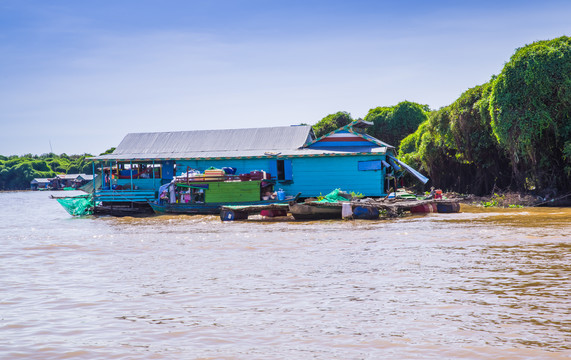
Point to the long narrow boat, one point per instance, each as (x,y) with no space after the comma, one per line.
(208,197)
(316,211)
(212,208)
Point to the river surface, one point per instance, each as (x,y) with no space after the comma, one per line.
(480,284)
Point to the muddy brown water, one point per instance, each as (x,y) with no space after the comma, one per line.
(480,284)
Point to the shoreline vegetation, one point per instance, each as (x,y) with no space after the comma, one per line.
(506,142)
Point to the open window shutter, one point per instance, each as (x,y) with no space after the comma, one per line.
(274,168)
(168,169)
(288,170)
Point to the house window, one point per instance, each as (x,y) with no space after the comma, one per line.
(370,165)
(281,170)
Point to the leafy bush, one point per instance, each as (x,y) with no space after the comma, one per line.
(530,107)
(332,122)
(392,124)
(513,132)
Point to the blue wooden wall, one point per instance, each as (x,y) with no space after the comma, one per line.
(312,176)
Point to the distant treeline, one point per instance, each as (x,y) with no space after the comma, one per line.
(16,172)
(511,133)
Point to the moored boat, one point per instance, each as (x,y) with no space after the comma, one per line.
(315,211)
(208,197)
(207,208)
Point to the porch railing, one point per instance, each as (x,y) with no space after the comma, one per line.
(124,195)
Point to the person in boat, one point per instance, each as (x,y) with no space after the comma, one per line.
(267,191)
(432,193)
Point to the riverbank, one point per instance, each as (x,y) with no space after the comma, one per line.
(510,199)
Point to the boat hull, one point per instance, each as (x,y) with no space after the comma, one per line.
(315,212)
(206,208)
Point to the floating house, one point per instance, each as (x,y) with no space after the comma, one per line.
(69,181)
(290,156)
(61,181)
(40,184)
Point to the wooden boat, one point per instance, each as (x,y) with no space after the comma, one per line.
(316,211)
(207,198)
(208,208)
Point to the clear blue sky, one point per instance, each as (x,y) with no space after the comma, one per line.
(82,74)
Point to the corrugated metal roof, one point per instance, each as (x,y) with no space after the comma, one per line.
(40,180)
(173,143)
(243,154)
(234,143)
(69,176)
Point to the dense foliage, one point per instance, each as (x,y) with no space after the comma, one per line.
(456,147)
(530,105)
(511,133)
(392,124)
(332,122)
(16,172)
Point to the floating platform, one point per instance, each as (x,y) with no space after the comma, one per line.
(363,209)
(241,212)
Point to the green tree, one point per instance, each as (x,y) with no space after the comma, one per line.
(332,122)
(16,172)
(108,151)
(530,106)
(392,124)
(456,147)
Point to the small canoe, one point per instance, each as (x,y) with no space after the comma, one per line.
(315,211)
(212,208)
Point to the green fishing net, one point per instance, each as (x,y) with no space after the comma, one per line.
(335,196)
(77,206)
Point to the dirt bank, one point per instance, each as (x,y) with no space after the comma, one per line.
(507,199)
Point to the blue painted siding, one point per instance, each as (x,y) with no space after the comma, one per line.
(141,184)
(315,176)
(312,176)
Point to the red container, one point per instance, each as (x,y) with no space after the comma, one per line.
(244,177)
(256,175)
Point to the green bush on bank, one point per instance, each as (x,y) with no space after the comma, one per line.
(510,133)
